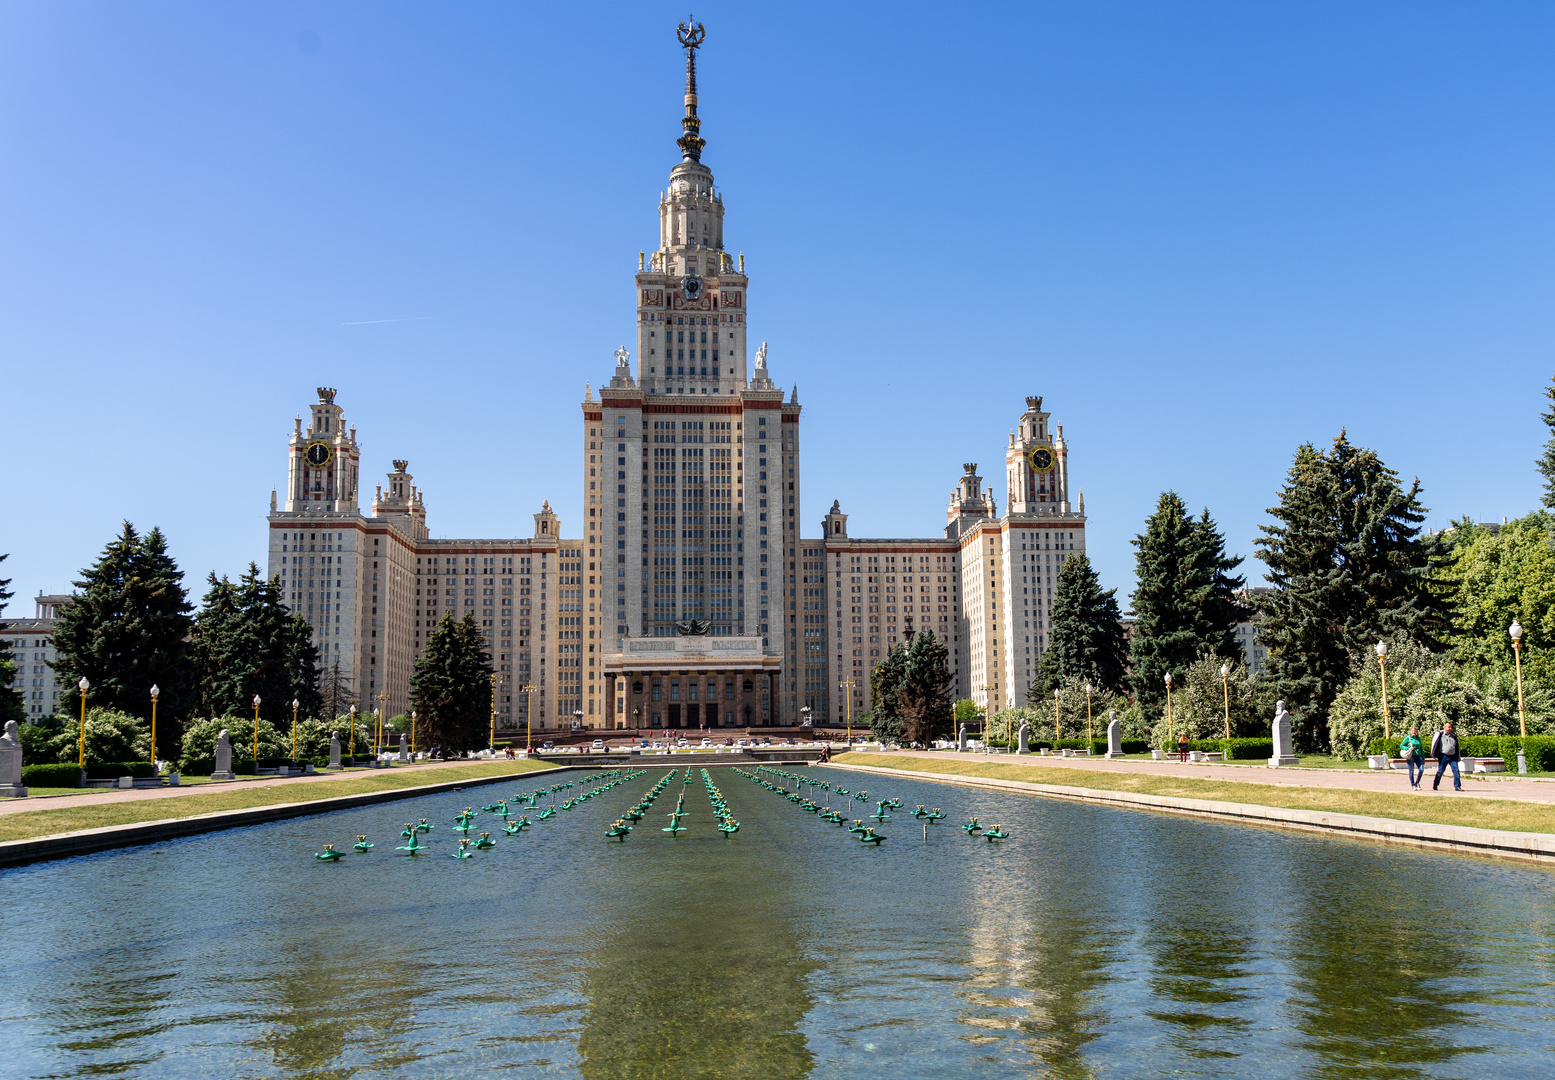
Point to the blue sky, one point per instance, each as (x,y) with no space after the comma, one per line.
(1204,232)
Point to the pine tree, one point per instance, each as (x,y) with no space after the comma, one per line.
(248,642)
(885,684)
(451,689)
(1086,641)
(11,707)
(1185,601)
(1349,566)
(126,630)
(1546,462)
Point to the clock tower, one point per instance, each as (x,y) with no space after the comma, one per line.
(323,461)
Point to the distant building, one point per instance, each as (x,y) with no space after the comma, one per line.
(1253,653)
(32,645)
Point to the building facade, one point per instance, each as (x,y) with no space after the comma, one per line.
(32,646)
(689,599)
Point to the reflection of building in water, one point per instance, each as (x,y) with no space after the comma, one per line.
(691,520)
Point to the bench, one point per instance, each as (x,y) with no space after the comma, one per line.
(1487,764)
(1214,755)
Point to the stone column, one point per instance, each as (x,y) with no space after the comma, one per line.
(223,758)
(610,702)
(11,763)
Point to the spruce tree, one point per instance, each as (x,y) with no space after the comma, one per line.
(1546,462)
(249,642)
(1086,641)
(885,686)
(924,695)
(1185,601)
(451,689)
(11,707)
(126,630)
(1349,565)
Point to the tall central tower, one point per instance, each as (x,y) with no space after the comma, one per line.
(691,486)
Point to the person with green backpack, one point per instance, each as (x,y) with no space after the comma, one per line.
(1413,752)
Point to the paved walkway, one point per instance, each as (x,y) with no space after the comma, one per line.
(1489,786)
(115,795)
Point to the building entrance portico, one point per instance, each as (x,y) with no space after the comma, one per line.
(691,683)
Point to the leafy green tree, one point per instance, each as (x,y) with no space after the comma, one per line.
(968,713)
(1185,601)
(1087,640)
(1497,576)
(924,694)
(11,707)
(451,688)
(127,630)
(1349,565)
(111,735)
(248,642)
(199,739)
(1041,713)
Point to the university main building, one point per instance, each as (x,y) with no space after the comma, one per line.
(691,597)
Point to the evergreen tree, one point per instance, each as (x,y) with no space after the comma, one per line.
(451,689)
(1349,566)
(885,684)
(127,629)
(1185,601)
(248,642)
(1086,641)
(924,695)
(11,707)
(334,692)
(1546,462)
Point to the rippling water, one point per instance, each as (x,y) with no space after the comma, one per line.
(1095,942)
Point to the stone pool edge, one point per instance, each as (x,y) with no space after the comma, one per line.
(91,841)
(1529,847)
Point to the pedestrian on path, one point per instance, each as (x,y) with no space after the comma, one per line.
(1445,749)
(1182,749)
(1413,753)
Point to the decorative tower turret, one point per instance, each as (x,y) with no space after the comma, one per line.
(323,461)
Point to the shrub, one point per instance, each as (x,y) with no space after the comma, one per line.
(51,775)
(1248,749)
(1538,749)
(200,741)
(110,736)
(199,766)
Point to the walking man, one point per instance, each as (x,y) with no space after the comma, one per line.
(1445,749)
(1413,753)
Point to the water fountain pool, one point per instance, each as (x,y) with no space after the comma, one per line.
(1094,942)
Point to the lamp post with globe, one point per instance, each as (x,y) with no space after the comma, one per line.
(1515,631)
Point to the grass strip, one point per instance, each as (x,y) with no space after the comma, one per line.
(1478,813)
(66,819)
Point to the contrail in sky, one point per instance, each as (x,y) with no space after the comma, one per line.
(370,322)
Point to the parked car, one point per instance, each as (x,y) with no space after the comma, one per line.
(706,743)
(548,745)
(597,746)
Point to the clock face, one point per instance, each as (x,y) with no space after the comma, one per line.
(1041,459)
(318,454)
(691,286)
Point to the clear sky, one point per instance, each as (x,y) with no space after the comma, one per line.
(1204,232)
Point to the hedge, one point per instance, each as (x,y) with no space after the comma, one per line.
(1539,749)
(51,775)
(112,770)
(1233,749)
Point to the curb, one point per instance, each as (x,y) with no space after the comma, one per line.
(89,841)
(1526,846)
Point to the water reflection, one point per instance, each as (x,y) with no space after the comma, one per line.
(1095,943)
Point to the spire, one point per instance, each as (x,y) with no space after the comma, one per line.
(691,35)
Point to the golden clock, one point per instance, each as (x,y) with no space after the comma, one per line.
(1041,459)
(318,454)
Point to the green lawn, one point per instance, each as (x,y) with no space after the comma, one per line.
(63,818)
(1440,809)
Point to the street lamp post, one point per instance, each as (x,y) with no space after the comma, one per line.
(377,732)
(1058,720)
(1516,633)
(382,712)
(1171,733)
(847,707)
(987,714)
(1382,662)
(495,679)
(294,729)
(83,686)
(256,734)
(1225,692)
(155,693)
(352,734)
(413,735)
(1090,728)
(528,690)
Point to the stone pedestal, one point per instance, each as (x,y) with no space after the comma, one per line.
(1114,736)
(223,770)
(11,763)
(1284,752)
(961,740)
(1022,747)
(334,752)
(404,749)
